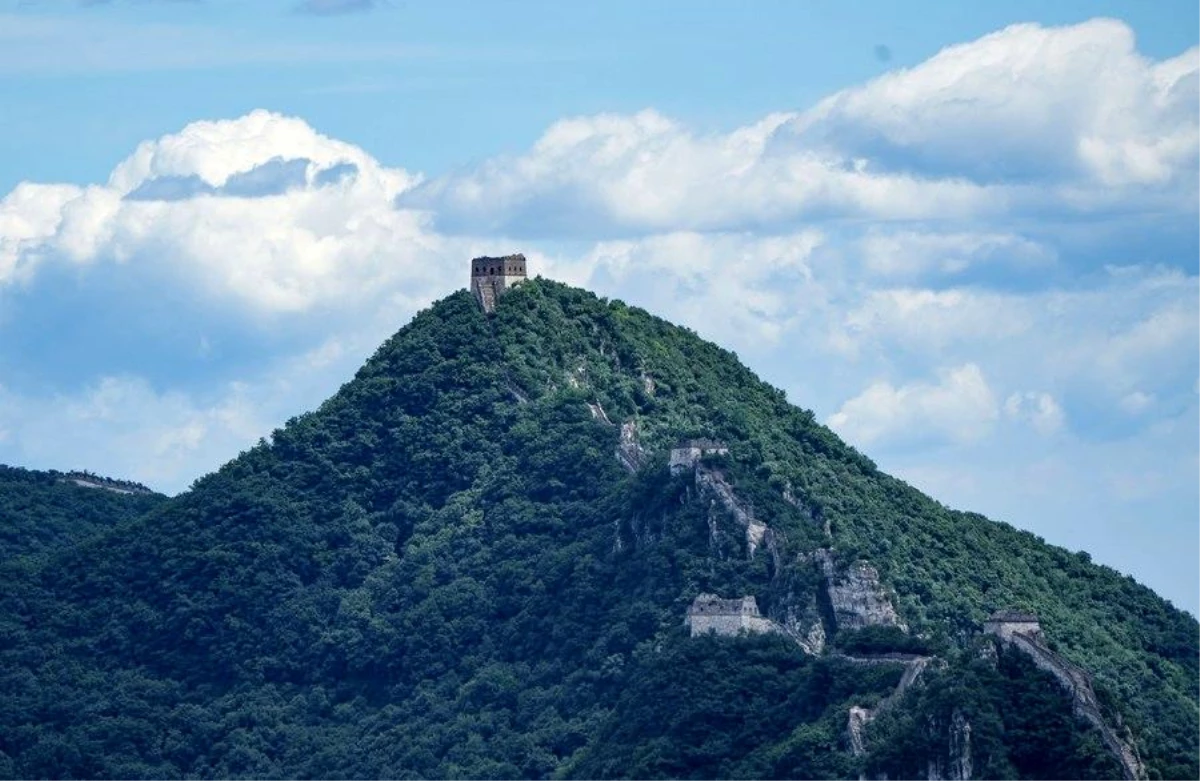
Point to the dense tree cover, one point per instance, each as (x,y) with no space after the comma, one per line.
(1019,727)
(445,571)
(42,510)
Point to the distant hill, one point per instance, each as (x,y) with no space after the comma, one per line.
(473,561)
(43,510)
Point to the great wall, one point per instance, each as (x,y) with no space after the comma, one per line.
(853,591)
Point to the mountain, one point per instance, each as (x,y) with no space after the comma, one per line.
(40,511)
(482,556)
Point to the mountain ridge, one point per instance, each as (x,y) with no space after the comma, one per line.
(455,525)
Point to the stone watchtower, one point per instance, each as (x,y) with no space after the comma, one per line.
(1008,622)
(491,277)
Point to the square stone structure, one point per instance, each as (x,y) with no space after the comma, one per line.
(710,613)
(688,452)
(492,277)
(1005,623)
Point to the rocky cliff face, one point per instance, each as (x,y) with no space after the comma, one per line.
(712,483)
(856,596)
(955,764)
(629,448)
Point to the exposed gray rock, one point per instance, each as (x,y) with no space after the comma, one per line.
(859,718)
(800,620)
(856,722)
(813,513)
(856,595)
(712,483)
(629,449)
(956,764)
(648,384)
(598,413)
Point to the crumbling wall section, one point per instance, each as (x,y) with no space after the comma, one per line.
(1079,684)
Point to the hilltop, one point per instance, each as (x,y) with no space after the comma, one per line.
(44,510)
(475,560)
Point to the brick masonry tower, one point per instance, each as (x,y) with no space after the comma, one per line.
(491,277)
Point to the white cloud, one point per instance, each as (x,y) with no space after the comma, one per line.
(1039,409)
(959,407)
(909,253)
(121,426)
(125,426)
(645,173)
(740,289)
(928,321)
(1028,120)
(1137,402)
(216,150)
(29,216)
(314,223)
(1135,326)
(1027,103)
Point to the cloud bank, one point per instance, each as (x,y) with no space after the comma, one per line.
(1027,120)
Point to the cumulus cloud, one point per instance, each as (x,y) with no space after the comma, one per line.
(740,289)
(1025,103)
(959,407)
(1029,119)
(125,427)
(644,173)
(168,434)
(909,253)
(1039,409)
(261,209)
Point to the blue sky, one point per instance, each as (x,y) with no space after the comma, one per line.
(965,235)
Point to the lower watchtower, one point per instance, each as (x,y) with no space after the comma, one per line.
(491,277)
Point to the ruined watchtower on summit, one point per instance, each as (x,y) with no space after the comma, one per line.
(491,277)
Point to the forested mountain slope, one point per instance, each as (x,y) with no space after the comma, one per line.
(472,561)
(42,510)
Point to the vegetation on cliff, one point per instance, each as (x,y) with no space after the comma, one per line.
(445,571)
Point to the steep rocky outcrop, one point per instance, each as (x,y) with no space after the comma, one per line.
(629,450)
(856,596)
(799,617)
(598,413)
(956,764)
(712,483)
